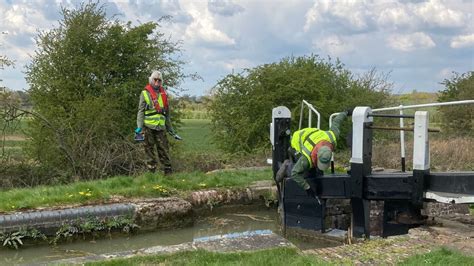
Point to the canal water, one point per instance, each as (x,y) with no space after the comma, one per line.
(248,222)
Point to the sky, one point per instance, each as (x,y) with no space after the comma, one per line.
(418,43)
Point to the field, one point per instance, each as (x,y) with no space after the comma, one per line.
(12,139)
(416,98)
(196,134)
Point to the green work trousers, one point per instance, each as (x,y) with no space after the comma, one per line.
(157,139)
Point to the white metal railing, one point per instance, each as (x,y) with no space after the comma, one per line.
(401,108)
(310,108)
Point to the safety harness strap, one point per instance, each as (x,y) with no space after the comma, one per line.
(155,101)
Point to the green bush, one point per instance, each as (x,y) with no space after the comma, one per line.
(458,119)
(85,80)
(242,103)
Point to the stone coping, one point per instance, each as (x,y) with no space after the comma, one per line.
(247,241)
(150,213)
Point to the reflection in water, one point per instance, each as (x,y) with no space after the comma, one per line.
(214,227)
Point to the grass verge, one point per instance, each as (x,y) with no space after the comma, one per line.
(441,256)
(278,256)
(147,185)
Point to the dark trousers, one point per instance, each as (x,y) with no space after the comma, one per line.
(157,138)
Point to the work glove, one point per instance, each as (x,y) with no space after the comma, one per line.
(349,111)
(138,130)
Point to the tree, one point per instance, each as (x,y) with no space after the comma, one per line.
(85,79)
(5,62)
(242,103)
(458,119)
(8,103)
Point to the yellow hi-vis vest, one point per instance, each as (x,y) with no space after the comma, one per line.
(152,117)
(304,140)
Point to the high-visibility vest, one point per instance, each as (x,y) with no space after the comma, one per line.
(156,106)
(306,139)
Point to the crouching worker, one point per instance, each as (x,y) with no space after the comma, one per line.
(315,147)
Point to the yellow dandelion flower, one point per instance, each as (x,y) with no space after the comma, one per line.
(82,192)
(202,184)
(157,187)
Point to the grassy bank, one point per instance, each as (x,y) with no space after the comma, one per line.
(440,257)
(278,256)
(147,185)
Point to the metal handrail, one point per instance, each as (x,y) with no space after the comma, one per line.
(402,107)
(310,108)
(402,132)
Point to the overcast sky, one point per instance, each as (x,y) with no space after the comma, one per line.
(419,42)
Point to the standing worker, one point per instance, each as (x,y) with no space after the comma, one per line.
(153,113)
(316,147)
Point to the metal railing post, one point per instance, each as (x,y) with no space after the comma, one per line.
(402,139)
(311,108)
(301,116)
(309,119)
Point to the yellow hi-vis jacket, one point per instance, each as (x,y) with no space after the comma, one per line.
(304,140)
(152,117)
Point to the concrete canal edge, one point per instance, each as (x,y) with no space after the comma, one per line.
(149,214)
(251,241)
(173,212)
